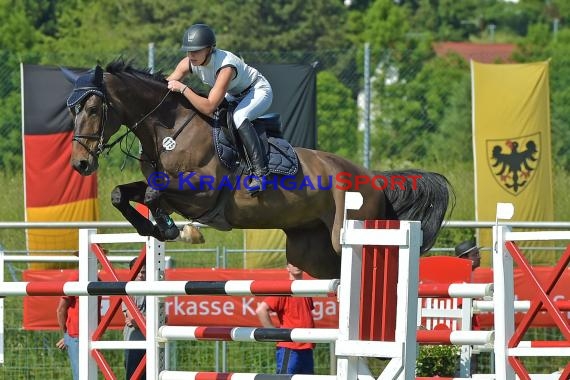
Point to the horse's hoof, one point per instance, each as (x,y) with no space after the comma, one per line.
(192,234)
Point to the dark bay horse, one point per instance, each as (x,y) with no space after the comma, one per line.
(311,215)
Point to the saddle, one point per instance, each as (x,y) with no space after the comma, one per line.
(280,155)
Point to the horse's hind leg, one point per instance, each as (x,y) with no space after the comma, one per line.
(165,228)
(120,198)
(309,248)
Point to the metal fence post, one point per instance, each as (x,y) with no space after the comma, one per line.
(151,56)
(366,148)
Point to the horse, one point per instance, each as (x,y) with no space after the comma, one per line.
(178,143)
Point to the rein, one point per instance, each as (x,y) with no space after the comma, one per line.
(134,128)
(136,125)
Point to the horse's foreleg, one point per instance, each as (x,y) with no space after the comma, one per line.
(120,198)
(165,228)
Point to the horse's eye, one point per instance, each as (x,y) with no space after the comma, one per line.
(92,111)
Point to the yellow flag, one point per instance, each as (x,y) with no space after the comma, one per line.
(512,143)
(264,249)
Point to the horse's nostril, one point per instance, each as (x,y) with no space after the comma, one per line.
(81,166)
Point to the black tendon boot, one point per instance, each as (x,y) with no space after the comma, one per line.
(255,155)
(167,227)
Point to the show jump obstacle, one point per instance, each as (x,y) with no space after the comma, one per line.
(509,347)
(379,270)
(349,346)
(383,267)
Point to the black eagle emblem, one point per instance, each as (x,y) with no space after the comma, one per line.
(514,168)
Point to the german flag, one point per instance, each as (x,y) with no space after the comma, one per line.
(54,192)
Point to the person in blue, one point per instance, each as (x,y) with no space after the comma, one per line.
(229,77)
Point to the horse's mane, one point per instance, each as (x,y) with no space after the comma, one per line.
(120,66)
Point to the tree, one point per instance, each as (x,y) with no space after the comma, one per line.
(337,125)
(411,106)
(17,38)
(385,25)
(295,25)
(84,38)
(454,139)
(539,46)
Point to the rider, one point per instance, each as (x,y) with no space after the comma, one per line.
(230,77)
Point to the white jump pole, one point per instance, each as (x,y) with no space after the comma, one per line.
(504,317)
(155,312)
(1,308)
(88,306)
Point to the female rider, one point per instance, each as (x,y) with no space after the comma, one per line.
(229,77)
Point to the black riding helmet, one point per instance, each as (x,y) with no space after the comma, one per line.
(197,37)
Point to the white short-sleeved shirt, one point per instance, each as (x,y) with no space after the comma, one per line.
(246,75)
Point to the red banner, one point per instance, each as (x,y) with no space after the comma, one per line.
(40,312)
(524,291)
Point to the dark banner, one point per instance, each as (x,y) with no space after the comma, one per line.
(44,92)
(295,98)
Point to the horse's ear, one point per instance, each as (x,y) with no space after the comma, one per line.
(98,76)
(69,75)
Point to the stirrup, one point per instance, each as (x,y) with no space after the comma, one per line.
(255,186)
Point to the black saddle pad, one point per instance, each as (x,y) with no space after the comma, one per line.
(283,159)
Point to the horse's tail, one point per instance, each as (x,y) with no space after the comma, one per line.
(426,197)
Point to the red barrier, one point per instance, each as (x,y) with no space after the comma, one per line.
(378,288)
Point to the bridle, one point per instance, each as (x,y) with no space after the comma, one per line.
(99,135)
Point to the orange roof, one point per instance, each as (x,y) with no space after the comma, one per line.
(484,53)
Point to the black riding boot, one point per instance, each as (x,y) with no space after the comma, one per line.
(255,155)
